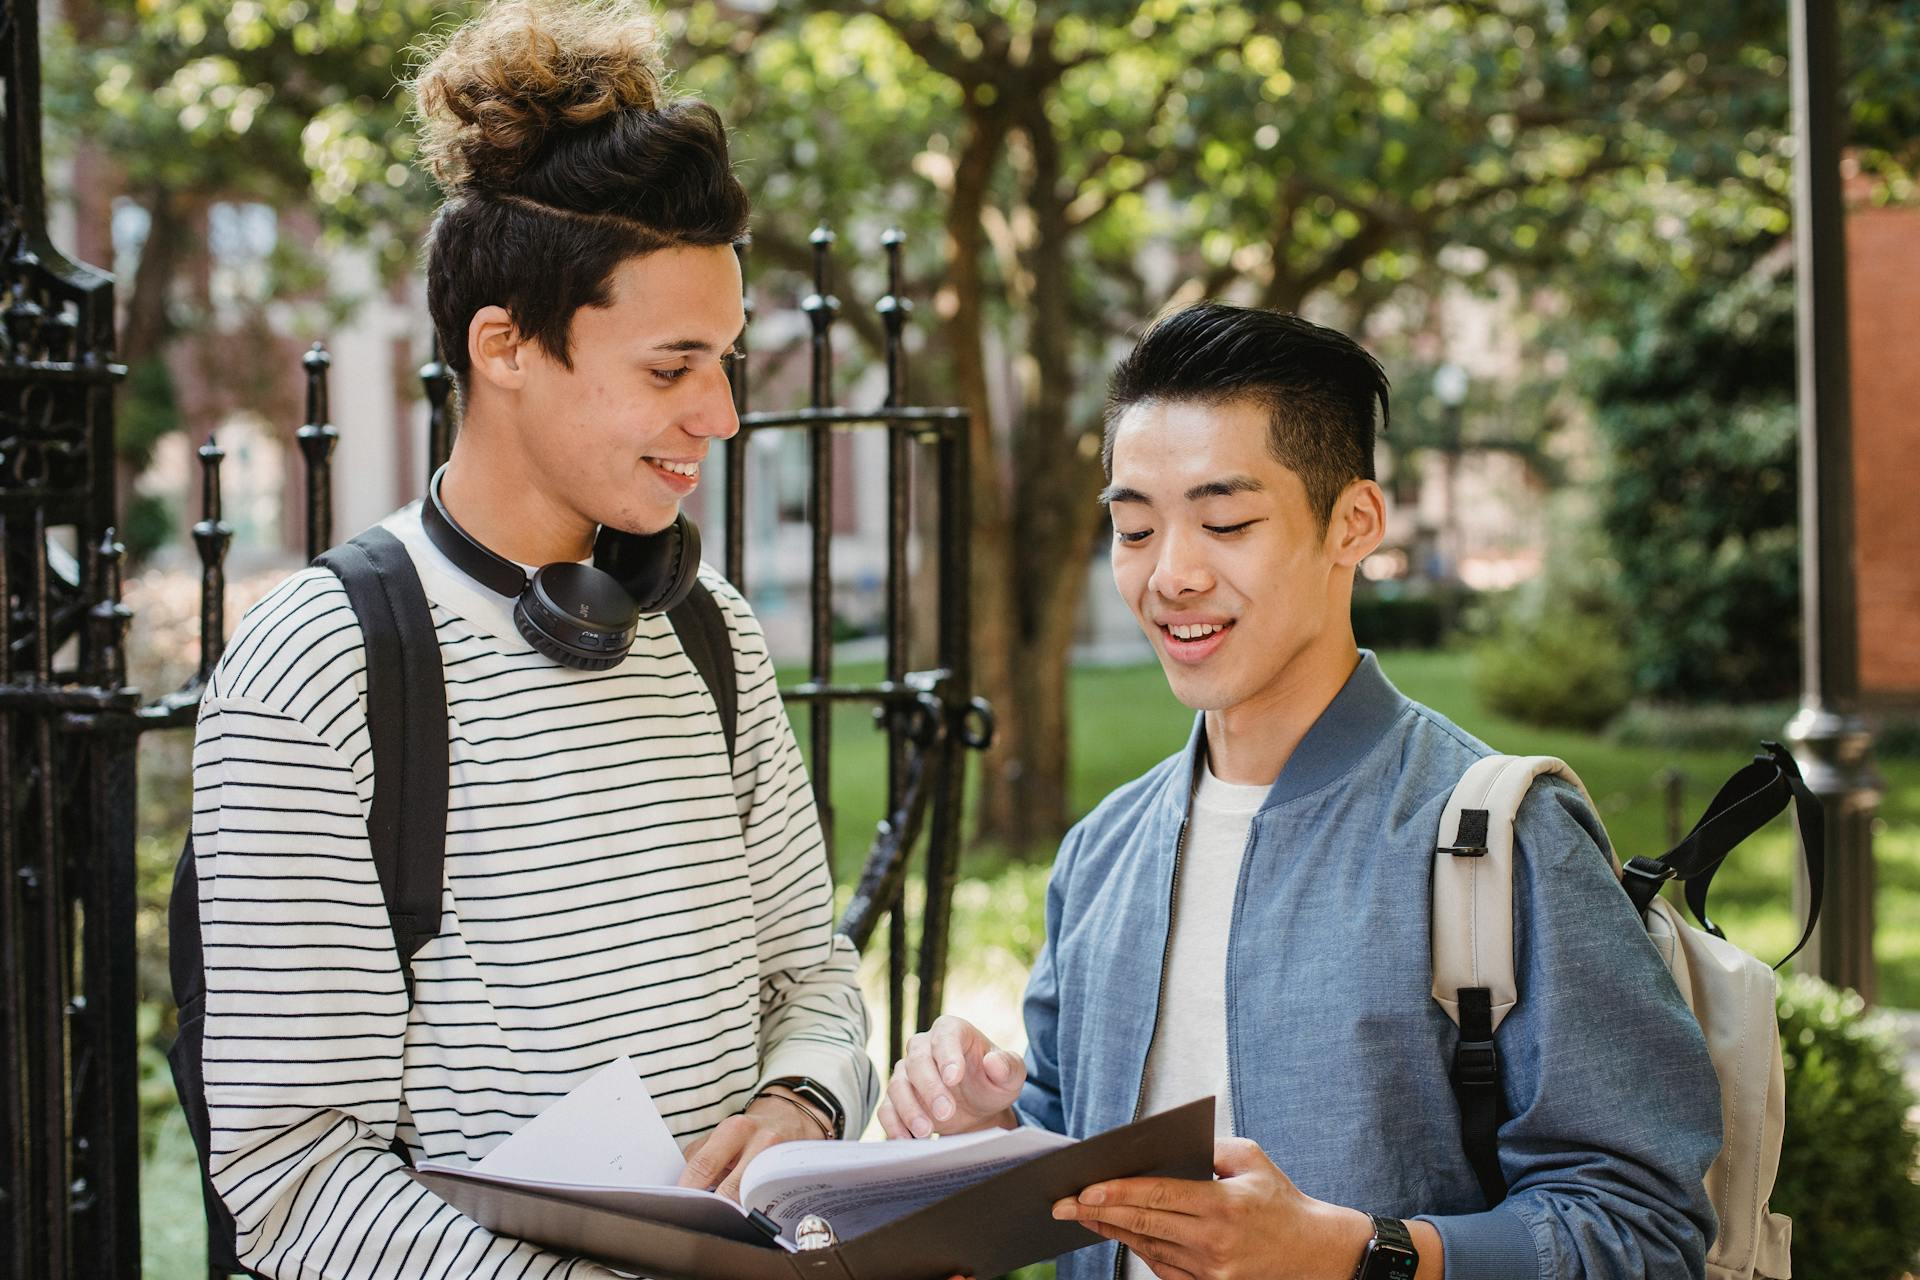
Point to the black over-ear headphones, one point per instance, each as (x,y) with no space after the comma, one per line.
(581,616)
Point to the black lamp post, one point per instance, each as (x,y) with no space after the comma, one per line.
(1834,745)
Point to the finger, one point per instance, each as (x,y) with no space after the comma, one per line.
(956,1045)
(1004,1069)
(1174,1195)
(716,1154)
(924,1077)
(730,1188)
(1154,1224)
(906,1103)
(1163,1259)
(890,1121)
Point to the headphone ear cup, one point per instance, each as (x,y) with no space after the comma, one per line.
(547,647)
(657,569)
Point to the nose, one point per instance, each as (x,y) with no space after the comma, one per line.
(712,415)
(1181,568)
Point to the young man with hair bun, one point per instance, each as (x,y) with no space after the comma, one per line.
(615,883)
(1249,919)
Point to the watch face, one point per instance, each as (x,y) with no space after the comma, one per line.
(1388,1262)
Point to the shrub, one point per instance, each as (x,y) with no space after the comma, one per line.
(1847,1170)
(1560,668)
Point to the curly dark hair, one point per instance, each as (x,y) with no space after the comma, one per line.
(549,129)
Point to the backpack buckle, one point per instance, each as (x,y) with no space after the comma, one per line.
(1642,878)
(1476,1063)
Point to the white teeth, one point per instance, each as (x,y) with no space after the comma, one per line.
(1198,631)
(678,468)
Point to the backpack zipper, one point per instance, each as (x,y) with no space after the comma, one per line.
(1166,955)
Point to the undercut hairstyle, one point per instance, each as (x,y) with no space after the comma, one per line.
(1317,386)
(561,155)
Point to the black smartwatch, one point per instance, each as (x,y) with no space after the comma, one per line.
(1390,1254)
(814,1092)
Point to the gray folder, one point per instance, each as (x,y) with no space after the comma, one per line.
(984,1230)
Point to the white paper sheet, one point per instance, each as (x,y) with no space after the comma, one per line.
(606,1132)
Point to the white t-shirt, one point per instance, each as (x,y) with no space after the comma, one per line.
(1188,1057)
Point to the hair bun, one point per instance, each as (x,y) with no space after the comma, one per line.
(490,97)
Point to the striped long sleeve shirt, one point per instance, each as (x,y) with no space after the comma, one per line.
(612,888)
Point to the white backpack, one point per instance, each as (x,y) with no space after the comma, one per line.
(1729,991)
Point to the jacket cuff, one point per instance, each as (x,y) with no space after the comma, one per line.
(1494,1245)
(831,1068)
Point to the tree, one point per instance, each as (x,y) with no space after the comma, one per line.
(1085,164)
(1071,167)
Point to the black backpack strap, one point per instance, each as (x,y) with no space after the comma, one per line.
(703,633)
(1748,801)
(1476,1087)
(407,720)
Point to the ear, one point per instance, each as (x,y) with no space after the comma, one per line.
(1358,523)
(494,349)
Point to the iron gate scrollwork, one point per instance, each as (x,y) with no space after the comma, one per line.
(69,1122)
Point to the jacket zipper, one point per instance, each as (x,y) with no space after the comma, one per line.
(1166,955)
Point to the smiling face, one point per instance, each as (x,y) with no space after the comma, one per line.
(1216,551)
(622,436)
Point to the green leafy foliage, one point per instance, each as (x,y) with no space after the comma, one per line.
(1847,1173)
(1699,503)
(1558,669)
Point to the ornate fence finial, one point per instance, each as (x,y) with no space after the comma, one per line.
(437,378)
(317,439)
(894,309)
(108,617)
(211,535)
(735,449)
(23,316)
(821,308)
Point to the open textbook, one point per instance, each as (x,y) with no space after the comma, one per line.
(594,1175)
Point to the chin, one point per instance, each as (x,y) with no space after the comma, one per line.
(1192,690)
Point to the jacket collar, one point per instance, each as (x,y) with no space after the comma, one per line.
(1351,726)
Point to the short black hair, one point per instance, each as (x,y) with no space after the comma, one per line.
(1317,385)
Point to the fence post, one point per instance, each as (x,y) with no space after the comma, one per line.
(317,439)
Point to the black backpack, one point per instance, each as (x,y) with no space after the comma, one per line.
(408,826)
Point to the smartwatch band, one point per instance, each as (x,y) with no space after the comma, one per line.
(816,1093)
(1390,1254)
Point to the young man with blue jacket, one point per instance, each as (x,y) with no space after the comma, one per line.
(1250,919)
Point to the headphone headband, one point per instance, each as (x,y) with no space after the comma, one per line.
(495,572)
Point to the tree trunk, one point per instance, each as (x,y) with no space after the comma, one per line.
(1053,514)
(989,567)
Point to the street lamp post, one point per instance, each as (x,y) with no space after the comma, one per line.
(1834,745)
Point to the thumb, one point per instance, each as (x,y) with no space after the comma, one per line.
(1003,1069)
(1235,1156)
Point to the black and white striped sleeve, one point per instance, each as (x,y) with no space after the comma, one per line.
(306,1020)
(813,1020)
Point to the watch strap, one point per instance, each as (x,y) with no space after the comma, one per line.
(817,1095)
(1390,1255)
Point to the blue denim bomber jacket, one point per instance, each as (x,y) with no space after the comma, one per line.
(1338,1055)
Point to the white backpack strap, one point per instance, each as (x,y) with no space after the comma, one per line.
(1473,880)
(1473,941)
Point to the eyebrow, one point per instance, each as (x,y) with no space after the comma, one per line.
(1222,488)
(696,344)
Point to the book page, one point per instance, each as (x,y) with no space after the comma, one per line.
(859,1186)
(607,1132)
